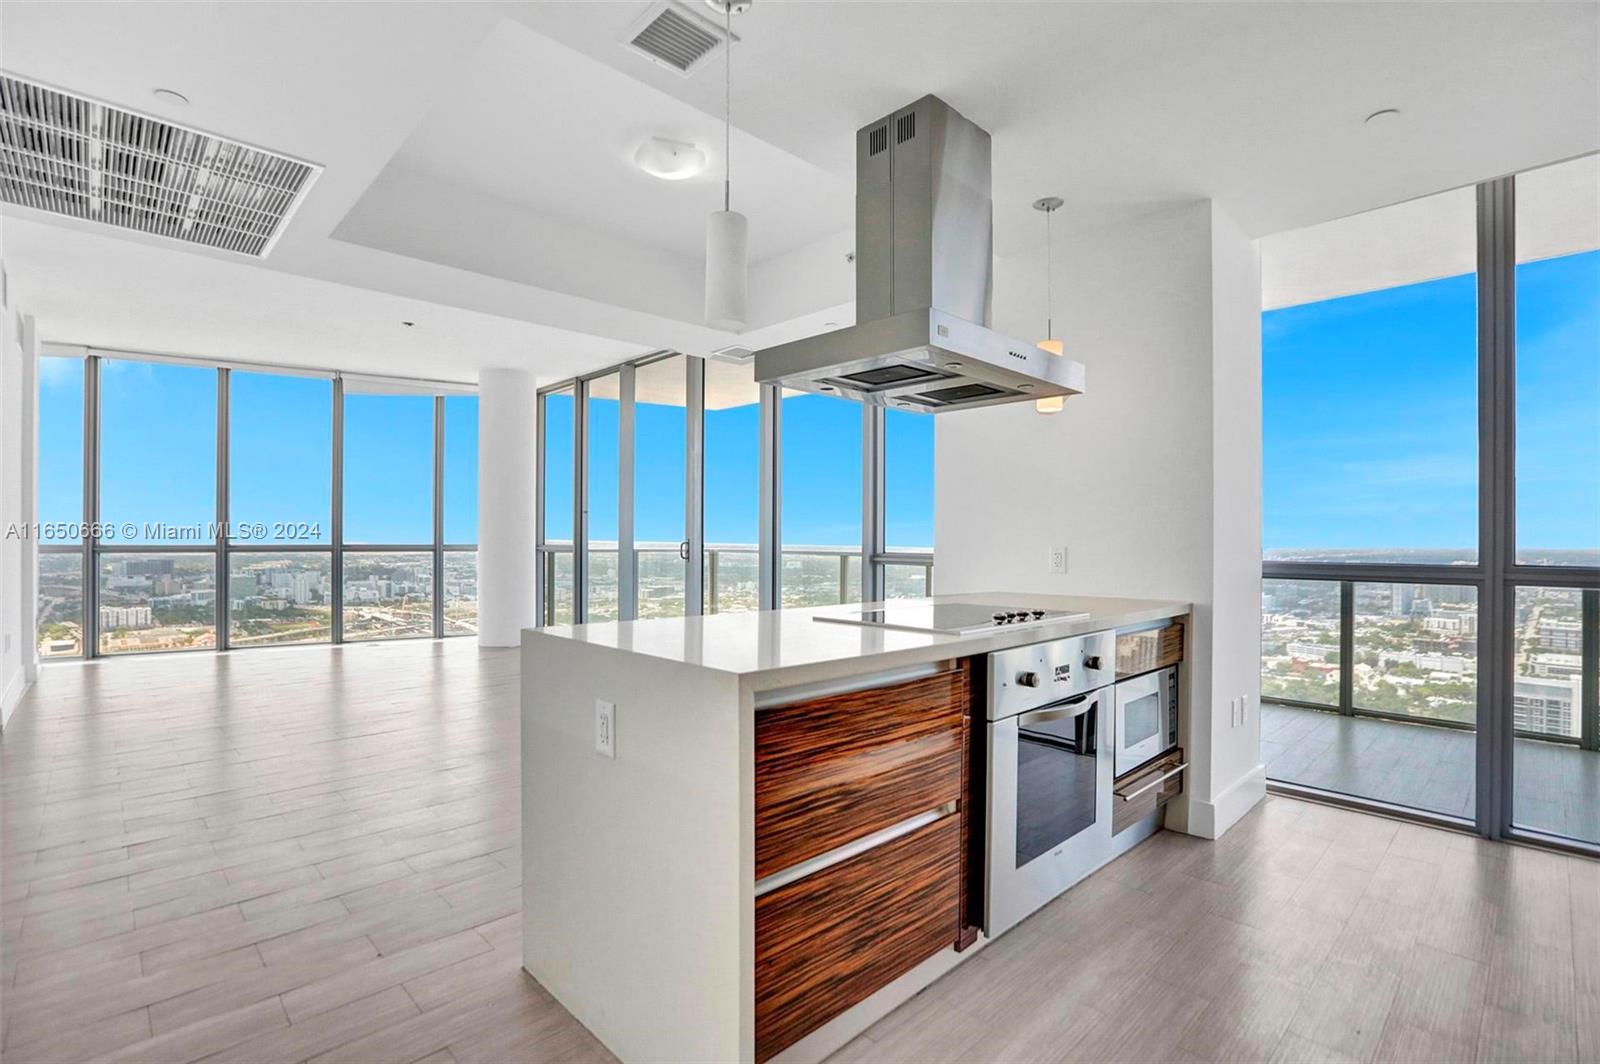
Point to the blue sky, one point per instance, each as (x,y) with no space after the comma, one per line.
(1370,432)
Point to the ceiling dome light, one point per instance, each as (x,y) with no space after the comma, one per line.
(670,160)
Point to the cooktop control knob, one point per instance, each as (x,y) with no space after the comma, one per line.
(1092,661)
(1028,679)
(998,618)
(1038,615)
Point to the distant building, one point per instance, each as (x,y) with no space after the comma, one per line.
(1555,666)
(1310,651)
(1562,636)
(112,617)
(1546,705)
(1452,623)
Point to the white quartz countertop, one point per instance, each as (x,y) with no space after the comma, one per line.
(776,647)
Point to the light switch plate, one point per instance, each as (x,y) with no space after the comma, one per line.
(605,728)
(1058,559)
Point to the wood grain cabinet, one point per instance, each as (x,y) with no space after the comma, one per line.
(1148,649)
(825,942)
(861,840)
(837,768)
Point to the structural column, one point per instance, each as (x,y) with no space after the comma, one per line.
(507,452)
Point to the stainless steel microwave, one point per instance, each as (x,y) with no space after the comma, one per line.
(1146,719)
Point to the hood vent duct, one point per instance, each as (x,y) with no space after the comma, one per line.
(70,155)
(924,278)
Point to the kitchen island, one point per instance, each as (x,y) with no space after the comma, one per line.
(752,834)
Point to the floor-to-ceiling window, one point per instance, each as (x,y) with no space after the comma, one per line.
(782,500)
(459,515)
(215,506)
(63,535)
(732,492)
(601,497)
(660,486)
(557,505)
(1431,505)
(280,498)
(821,508)
(388,509)
(156,573)
(1555,648)
(907,561)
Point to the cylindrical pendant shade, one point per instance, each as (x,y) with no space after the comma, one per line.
(727,235)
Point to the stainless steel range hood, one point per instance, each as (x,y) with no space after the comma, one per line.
(924,279)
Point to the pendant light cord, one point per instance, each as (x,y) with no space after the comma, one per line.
(1049,318)
(727,103)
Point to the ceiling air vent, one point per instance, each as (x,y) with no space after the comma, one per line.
(72,155)
(733,353)
(674,37)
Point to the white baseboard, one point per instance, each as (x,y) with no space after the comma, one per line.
(1209,820)
(16,686)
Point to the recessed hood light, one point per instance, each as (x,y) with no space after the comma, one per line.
(171,96)
(1383,117)
(670,160)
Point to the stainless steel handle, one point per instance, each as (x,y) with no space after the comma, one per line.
(854,848)
(1153,784)
(1071,709)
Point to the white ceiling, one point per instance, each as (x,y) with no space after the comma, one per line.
(1558,213)
(116,294)
(533,123)
(477,154)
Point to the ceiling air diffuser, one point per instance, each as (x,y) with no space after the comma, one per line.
(72,155)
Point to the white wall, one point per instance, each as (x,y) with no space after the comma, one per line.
(18,557)
(1151,479)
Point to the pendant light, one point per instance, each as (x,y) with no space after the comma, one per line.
(1051,404)
(727,231)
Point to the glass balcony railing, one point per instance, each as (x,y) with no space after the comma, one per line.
(811,576)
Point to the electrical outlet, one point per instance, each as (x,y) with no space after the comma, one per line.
(1058,559)
(605,728)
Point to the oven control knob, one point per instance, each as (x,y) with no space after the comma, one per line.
(1092,661)
(1028,679)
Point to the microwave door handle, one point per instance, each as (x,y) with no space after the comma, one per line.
(1073,707)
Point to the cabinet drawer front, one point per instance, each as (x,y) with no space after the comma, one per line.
(1147,794)
(1149,649)
(835,769)
(828,941)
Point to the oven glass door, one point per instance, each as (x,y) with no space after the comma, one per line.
(1056,766)
(1141,720)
